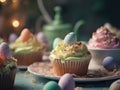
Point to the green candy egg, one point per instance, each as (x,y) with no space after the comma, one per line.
(70,38)
(51,85)
(55,42)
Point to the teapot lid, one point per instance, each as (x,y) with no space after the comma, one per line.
(57,23)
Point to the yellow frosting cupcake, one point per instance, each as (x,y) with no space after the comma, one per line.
(71,57)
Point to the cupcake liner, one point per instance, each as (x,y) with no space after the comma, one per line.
(25,59)
(72,67)
(7,80)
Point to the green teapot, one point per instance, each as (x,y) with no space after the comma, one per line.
(56,27)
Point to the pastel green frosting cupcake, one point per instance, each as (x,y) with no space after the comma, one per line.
(74,52)
(25,47)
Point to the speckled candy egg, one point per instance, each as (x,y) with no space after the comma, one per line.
(70,38)
(51,85)
(115,85)
(4,51)
(67,82)
(12,37)
(109,63)
(55,42)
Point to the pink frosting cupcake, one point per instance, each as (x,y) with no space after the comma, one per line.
(102,44)
(104,39)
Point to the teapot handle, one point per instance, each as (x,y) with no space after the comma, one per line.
(78,25)
(44,11)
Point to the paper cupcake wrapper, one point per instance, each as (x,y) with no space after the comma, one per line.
(72,67)
(25,59)
(7,80)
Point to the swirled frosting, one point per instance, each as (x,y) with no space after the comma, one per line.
(76,51)
(26,43)
(103,39)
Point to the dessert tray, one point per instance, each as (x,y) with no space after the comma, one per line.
(44,70)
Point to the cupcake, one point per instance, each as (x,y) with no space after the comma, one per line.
(102,44)
(7,68)
(27,49)
(113,29)
(70,56)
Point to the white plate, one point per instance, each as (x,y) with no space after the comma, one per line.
(22,67)
(42,70)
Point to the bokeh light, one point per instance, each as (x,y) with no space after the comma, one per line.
(2,1)
(14,1)
(15,23)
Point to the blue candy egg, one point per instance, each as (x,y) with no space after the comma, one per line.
(12,37)
(55,42)
(109,63)
(115,85)
(51,85)
(67,82)
(70,38)
(4,51)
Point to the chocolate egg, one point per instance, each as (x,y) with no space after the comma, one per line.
(51,85)
(55,42)
(109,63)
(12,37)
(115,85)
(4,51)
(67,82)
(70,38)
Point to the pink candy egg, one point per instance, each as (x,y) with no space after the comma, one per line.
(115,85)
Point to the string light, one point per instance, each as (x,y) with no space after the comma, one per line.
(15,23)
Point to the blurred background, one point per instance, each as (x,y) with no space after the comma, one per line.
(15,15)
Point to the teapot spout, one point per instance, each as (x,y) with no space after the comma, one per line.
(79,24)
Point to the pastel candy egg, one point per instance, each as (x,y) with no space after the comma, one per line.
(67,82)
(55,42)
(115,85)
(70,38)
(109,63)
(51,85)
(4,51)
(12,37)
(41,37)
(25,35)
